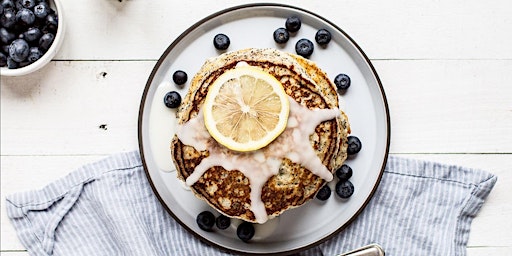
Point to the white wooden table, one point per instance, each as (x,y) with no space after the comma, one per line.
(446,67)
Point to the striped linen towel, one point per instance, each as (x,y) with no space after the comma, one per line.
(108,208)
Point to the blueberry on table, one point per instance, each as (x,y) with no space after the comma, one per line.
(222,222)
(354,145)
(323,36)
(245,231)
(342,81)
(304,47)
(19,50)
(172,99)
(324,193)
(221,42)
(281,35)
(293,24)
(344,172)
(179,77)
(344,189)
(46,41)
(205,220)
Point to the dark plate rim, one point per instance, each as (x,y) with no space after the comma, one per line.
(171,47)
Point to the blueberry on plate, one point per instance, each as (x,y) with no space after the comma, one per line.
(342,81)
(323,37)
(221,42)
(179,77)
(304,47)
(354,145)
(324,193)
(222,222)
(205,220)
(172,99)
(281,35)
(293,23)
(19,50)
(344,172)
(245,231)
(344,189)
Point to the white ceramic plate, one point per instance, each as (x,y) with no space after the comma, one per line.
(364,102)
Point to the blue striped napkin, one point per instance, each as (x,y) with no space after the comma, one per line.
(108,208)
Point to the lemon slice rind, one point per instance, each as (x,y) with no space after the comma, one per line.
(214,97)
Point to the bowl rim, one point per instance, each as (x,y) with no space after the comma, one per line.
(48,55)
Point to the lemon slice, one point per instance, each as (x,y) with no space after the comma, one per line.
(246,109)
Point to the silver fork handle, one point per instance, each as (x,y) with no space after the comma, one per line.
(368,250)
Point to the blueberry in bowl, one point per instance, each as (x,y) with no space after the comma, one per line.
(31,33)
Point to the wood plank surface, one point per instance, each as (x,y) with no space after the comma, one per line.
(445,66)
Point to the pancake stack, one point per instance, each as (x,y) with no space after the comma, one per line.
(228,191)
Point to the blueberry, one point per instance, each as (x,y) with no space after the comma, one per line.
(52,19)
(304,48)
(245,231)
(34,54)
(11,64)
(281,35)
(32,34)
(8,18)
(6,37)
(8,4)
(344,172)
(221,42)
(46,41)
(222,222)
(28,3)
(344,189)
(342,81)
(172,99)
(293,24)
(323,36)
(26,17)
(3,59)
(354,145)
(41,10)
(324,193)
(179,77)
(205,220)
(19,50)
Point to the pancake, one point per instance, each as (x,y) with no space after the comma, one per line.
(230,191)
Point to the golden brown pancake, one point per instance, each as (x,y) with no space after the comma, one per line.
(228,190)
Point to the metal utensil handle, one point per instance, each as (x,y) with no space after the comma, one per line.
(368,250)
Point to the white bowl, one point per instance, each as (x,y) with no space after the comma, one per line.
(48,55)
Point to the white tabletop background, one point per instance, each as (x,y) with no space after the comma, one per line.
(446,67)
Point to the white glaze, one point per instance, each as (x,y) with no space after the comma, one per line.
(259,165)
